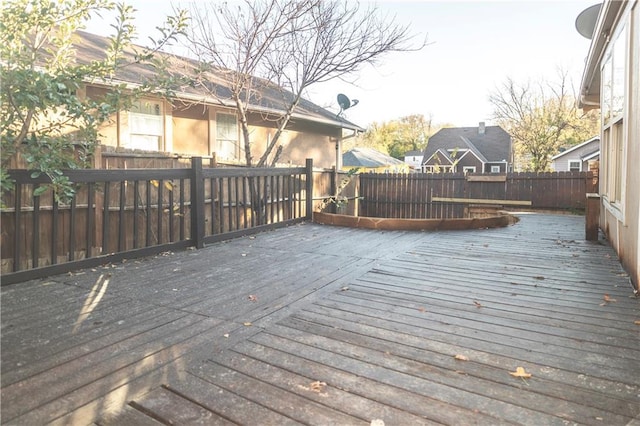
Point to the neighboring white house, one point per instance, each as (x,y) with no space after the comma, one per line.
(414,160)
(579,158)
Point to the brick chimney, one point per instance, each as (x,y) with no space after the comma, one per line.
(481,128)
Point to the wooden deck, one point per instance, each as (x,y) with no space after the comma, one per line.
(324,325)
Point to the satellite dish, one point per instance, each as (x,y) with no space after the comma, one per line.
(345,103)
(586,21)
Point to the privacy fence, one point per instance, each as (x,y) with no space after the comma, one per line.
(447,195)
(119,214)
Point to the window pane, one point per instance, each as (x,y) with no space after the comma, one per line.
(606,90)
(619,62)
(226,136)
(146,125)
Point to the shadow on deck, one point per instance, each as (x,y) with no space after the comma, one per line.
(316,324)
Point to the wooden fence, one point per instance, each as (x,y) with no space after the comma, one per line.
(118,214)
(447,195)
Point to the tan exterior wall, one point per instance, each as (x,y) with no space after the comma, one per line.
(191,130)
(623,230)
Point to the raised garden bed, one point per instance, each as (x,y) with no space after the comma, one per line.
(500,219)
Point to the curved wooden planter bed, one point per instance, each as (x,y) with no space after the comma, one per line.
(501,219)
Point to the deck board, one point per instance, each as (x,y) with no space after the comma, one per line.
(239,332)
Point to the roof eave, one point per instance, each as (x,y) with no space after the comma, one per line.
(230,104)
(590,83)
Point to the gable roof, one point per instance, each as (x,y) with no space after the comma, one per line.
(272,98)
(368,157)
(492,146)
(594,140)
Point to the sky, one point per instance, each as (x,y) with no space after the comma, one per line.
(473,47)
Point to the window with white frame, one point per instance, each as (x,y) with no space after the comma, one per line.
(469,169)
(495,169)
(227,145)
(146,125)
(575,165)
(613,80)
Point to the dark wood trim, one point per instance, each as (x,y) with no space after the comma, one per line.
(61,268)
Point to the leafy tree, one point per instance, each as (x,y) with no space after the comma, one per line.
(46,121)
(397,137)
(288,45)
(541,119)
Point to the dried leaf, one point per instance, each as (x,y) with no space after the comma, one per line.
(247,324)
(253,298)
(478,304)
(225,335)
(520,372)
(422,309)
(539,278)
(377,422)
(608,299)
(637,322)
(345,288)
(317,386)
(461,358)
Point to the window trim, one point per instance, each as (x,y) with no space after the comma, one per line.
(615,128)
(578,162)
(159,117)
(235,151)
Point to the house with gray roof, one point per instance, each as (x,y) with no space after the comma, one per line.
(201,119)
(481,149)
(579,158)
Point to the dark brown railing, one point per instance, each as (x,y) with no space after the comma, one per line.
(120,214)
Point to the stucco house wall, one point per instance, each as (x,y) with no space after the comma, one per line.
(611,82)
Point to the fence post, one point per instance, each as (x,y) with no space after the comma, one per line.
(592,216)
(333,208)
(197,203)
(309,189)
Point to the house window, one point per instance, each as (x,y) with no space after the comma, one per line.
(469,169)
(575,165)
(146,125)
(227,136)
(614,76)
(495,169)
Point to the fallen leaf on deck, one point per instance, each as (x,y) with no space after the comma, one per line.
(225,335)
(539,278)
(344,288)
(317,386)
(422,309)
(608,298)
(520,372)
(247,324)
(377,422)
(637,322)
(253,298)
(478,304)
(461,358)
